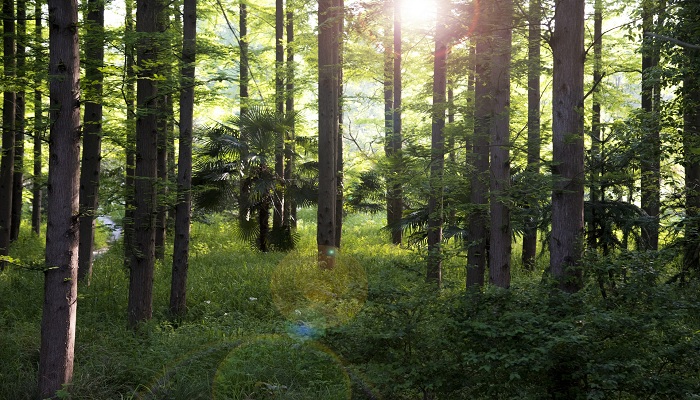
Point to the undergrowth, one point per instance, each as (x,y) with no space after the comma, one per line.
(629,334)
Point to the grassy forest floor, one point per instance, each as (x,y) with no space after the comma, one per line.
(405,340)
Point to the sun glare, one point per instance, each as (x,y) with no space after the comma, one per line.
(415,13)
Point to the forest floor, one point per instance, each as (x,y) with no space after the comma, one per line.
(263,326)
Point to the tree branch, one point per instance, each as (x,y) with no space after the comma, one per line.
(673,40)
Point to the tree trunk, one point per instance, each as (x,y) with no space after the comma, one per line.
(477,253)
(534,69)
(92,136)
(596,190)
(39,64)
(691,141)
(339,23)
(7,163)
(178,287)
(437,153)
(164,118)
(394,141)
(143,258)
(289,148)
(130,147)
(328,43)
(20,104)
(278,199)
(60,277)
(500,238)
(244,211)
(650,162)
(568,152)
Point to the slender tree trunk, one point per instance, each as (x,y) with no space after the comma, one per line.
(596,192)
(394,139)
(178,287)
(164,118)
(244,211)
(568,152)
(92,136)
(130,148)
(691,140)
(534,69)
(289,148)
(650,162)
(278,199)
(20,102)
(500,239)
(339,22)
(477,253)
(328,43)
(143,258)
(61,276)
(437,153)
(392,221)
(7,162)
(39,64)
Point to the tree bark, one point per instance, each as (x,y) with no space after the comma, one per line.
(39,64)
(328,43)
(92,136)
(244,207)
(339,23)
(60,283)
(289,148)
(130,147)
(143,258)
(437,153)
(183,214)
(20,104)
(279,199)
(596,191)
(500,232)
(393,144)
(164,121)
(7,161)
(568,152)
(534,69)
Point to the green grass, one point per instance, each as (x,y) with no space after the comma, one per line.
(238,341)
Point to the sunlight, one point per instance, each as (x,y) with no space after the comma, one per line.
(418,13)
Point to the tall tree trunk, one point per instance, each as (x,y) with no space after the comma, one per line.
(164,118)
(500,232)
(39,64)
(568,152)
(61,274)
(477,253)
(392,221)
(244,205)
(650,162)
(289,148)
(394,140)
(691,141)
(596,189)
(183,214)
(534,69)
(143,258)
(20,103)
(130,147)
(92,136)
(339,24)
(7,163)
(328,84)
(437,153)
(278,199)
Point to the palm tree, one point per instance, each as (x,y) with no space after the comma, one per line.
(229,167)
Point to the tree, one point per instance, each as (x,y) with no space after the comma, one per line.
(534,70)
(290,218)
(61,273)
(92,135)
(183,214)
(500,239)
(7,163)
(140,306)
(328,85)
(20,111)
(279,199)
(437,152)
(392,146)
(565,244)
(596,191)
(130,143)
(38,120)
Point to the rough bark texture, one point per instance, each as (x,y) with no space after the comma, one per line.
(437,153)
(534,69)
(568,152)
(130,147)
(596,190)
(244,208)
(691,141)
(164,121)
(500,232)
(7,162)
(92,136)
(143,254)
(289,148)
(178,287)
(61,283)
(20,104)
(339,26)
(38,121)
(650,162)
(278,199)
(477,253)
(394,204)
(328,43)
